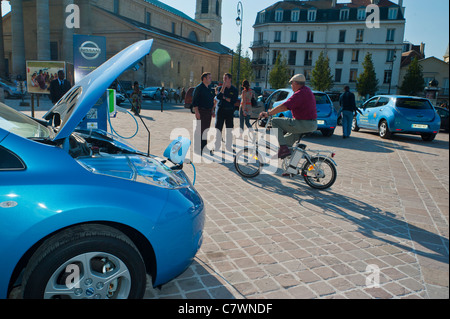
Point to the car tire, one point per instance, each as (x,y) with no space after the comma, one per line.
(106,262)
(428,137)
(355,127)
(383,130)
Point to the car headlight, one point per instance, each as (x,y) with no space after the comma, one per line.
(150,171)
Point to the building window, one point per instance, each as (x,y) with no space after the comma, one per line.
(294,36)
(179,67)
(54,51)
(205,6)
(279,15)
(392,15)
(361,15)
(340,56)
(217,8)
(308,58)
(344,14)
(387,76)
(312,15)
(359,35)
(337,75)
(307,73)
(355,55)
(174,26)
(295,15)
(390,35)
(353,75)
(292,57)
(445,87)
(262,17)
(310,36)
(390,55)
(148,18)
(276,53)
(342,36)
(116,6)
(277,36)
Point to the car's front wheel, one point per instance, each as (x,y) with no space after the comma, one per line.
(85,262)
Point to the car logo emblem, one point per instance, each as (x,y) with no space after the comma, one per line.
(8,204)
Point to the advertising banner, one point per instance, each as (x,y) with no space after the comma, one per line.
(89,52)
(41,73)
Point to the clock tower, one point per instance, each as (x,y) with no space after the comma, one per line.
(209,14)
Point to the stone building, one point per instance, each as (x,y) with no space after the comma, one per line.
(300,30)
(183,47)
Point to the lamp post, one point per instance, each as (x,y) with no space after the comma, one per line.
(394,57)
(239,20)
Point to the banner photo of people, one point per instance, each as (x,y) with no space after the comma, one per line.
(41,73)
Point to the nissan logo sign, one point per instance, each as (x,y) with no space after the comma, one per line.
(90,50)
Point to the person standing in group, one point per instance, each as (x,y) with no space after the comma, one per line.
(136,99)
(245,109)
(203,105)
(348,110)
(227,97)
(59,87)
(302,104)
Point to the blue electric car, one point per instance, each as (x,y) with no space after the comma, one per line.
(392,114)
(326,113)
(83,214)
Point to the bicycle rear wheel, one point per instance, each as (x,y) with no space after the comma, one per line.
(321,174)
(248,162)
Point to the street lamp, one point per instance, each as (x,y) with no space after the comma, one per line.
(394,57)
(239,20)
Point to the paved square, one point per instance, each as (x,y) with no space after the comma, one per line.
(384,221)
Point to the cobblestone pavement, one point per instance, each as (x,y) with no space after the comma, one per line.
(275,237)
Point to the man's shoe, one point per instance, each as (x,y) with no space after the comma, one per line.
(284,152)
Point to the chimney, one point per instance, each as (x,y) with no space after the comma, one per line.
(422,49)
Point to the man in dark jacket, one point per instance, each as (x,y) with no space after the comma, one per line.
(59,87)
(227,97)
(348,110)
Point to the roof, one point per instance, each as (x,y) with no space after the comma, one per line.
(211,46)
(326,12)
(172,10)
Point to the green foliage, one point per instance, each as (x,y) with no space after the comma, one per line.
(279,75)
(413,82)
(246,68)
(367,82)
(321,78)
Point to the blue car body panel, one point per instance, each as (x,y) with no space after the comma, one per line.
(401,118)
(56,191)
(326,113)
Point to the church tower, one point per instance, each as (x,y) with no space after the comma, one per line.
(209,14)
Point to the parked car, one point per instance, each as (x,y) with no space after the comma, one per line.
(326,113)
(443,113)
(85,215)
(153,93)
(392,114)
(10,90)
(120,98)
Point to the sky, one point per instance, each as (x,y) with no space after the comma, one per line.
(426,21)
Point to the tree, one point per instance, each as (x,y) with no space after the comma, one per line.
(246,68)
(367,82)
(413,82)
(279,76)
(321,78)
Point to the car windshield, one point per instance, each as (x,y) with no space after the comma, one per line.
(20,124)
(415,104)
(321,99)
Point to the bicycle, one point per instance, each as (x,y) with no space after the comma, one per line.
(317,168)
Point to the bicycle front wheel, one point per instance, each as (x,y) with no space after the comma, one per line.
(320,173)
(248,162)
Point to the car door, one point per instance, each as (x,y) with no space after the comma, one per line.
(378,111)
(367,112)
(256,110)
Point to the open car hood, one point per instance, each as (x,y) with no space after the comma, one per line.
(77,102)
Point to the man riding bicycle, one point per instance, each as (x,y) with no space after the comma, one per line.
(303,107)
